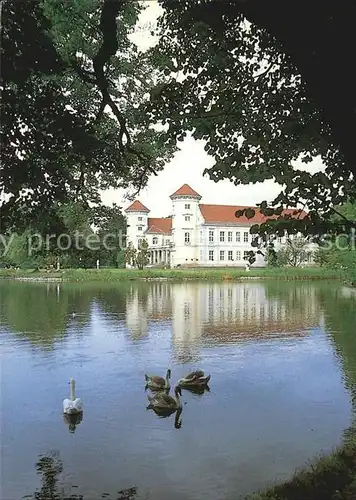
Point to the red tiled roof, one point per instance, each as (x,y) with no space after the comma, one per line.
(226,213)
(137,206)
(186,190)
(161,225)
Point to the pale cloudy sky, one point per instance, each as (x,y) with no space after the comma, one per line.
(189,162)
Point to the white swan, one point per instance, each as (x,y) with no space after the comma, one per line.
(72,405)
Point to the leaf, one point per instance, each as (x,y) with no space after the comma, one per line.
(250,213)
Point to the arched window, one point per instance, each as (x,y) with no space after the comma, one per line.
(155,241)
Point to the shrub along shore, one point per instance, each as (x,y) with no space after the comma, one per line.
(331,477)
(213,274)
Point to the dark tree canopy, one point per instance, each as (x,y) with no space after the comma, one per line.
(72,85)
(265,94)
(264,83)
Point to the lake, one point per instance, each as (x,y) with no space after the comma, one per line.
(282,359)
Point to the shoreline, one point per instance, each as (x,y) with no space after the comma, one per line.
(180,275)
(326,477)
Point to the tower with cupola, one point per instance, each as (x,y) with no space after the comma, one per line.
(186,223)
(137,222)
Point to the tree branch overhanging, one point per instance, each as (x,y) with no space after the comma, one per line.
(108,28)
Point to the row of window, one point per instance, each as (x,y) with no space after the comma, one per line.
(229,236)
(187,241)
(211,237)
(230,255)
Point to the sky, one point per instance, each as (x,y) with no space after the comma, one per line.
(188,164)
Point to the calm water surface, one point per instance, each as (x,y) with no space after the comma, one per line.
(282,359)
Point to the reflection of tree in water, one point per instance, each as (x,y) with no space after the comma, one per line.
(50,467)
(41,312)
(299,297)
(339,309)
(112,300)
(340,320)
(34,311)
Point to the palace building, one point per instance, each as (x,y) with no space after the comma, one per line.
(195,234)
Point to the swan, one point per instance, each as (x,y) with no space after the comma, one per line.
(156,383)
(72,405)
(162,401)
(194,379)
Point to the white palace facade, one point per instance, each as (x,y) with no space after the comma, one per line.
(195,234)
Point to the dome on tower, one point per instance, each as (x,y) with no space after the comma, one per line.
(137,206)
(185,191)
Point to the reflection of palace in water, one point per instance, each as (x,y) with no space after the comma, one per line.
(223,312)
(151,303)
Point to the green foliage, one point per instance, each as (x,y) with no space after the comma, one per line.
(339,251)
(347,210)
(294,253)
(114,275)
(85,233)
(142,256)
(130,255)
(328,478)
(137,258)
(110,226)
(17,253)
(59,142)
(343,260)
(232,86)
(120,259)
(271,257)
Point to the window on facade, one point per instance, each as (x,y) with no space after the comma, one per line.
(279,239)
(139,242)
(187,218)
(139,228)
(222,254)
(211,236)
(155,240)
(222,236)
(246,254)
(211,254)
(238,236)
(167,242)
(187,206)
(186,238)
(139,219)
(238,255)
(229,236)
(229,255)
(245,236)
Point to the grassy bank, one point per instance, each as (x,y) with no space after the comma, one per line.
(114,275)
(328,478)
